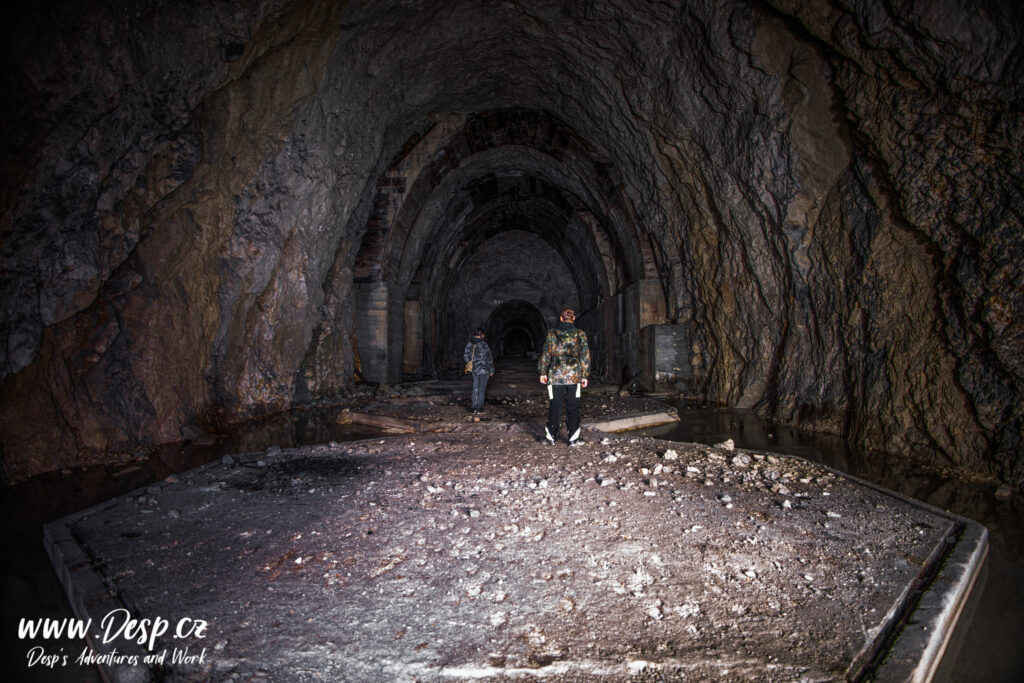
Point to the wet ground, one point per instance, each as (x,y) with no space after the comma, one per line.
(485,554)
(572,481)
(990,648)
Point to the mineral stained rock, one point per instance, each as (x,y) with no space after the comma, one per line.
(828,195)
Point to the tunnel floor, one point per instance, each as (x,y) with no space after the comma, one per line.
(483,554)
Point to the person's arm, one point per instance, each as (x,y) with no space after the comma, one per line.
(468,352)
(545,359)
(585,358)
(488,359)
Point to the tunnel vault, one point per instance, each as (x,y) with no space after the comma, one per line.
(499,220)
(812,210)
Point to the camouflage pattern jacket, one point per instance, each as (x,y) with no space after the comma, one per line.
(566,355)
(480,353)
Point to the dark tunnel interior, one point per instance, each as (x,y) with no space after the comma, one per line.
(217,215)
(807,210)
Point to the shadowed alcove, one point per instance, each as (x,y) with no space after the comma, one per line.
(517,328)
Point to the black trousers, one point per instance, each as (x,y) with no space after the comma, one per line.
(570,393)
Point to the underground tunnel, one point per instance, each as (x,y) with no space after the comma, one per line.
(224,211)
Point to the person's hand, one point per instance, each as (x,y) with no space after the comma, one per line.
(543,379)
(585,382)
(491,375)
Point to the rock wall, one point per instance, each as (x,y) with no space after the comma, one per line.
(831,192)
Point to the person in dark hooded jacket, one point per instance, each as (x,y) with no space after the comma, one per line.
(563,366)
(479,352)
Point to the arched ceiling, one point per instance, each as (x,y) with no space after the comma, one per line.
(501,171)
(827,192)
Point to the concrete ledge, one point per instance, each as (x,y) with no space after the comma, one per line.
(90,597)
(622,424)
(408,558)
(396,424)
(929,627)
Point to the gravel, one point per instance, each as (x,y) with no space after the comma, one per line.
(482,554)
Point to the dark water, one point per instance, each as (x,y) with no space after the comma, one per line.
(989,644)
(30,589)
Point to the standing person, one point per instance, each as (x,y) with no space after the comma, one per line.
(563,367)
(479,354)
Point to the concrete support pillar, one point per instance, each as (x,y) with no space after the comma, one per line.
(412,344)
(665,357)
(379,322)
(651,308)
(640,305)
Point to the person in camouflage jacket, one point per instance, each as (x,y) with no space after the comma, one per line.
(563,366)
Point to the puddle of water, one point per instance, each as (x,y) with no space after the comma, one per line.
(51,496)
(30,586)
(989,647)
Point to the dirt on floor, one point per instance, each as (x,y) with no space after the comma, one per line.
(483,553)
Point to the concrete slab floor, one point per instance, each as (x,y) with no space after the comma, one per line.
(484,554)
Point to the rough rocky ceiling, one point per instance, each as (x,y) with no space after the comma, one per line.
(206,209)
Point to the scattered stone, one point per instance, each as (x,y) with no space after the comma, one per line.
(173,514)
(690,609)
(394,499)
(1003,492)
(670,454)
(227,460)
(741,460)
(728,445)
(639,581)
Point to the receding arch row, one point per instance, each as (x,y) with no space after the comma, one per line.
(420,183)
(457,189)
